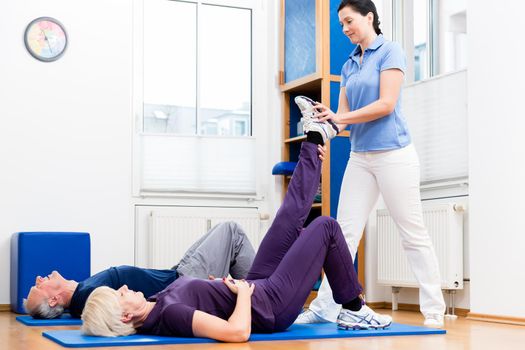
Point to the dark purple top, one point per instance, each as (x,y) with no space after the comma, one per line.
(173,312)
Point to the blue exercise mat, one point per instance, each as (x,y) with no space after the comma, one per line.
(74,339)
(64,320)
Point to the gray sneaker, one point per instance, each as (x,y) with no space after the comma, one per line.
(366,318)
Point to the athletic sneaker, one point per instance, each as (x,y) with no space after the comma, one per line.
(306,105)
(308,316)
(366,318)
(434,321)
(327,129)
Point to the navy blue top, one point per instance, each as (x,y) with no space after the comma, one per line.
(173,312)
(147,281)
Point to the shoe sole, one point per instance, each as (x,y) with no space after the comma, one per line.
(439,326)
(358,326)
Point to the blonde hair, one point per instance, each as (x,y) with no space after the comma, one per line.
(102,315)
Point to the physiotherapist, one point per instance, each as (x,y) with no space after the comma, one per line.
(382,160)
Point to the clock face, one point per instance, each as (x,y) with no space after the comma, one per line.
(45,39)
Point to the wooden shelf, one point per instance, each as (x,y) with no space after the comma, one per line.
(295,139)
(310,83)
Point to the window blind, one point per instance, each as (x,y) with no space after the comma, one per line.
(198,164)
(436,112)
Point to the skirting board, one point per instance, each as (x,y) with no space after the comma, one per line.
(496,319)
(412,307)
(5,307)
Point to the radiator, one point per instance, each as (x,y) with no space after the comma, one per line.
(171,231)
(445,227)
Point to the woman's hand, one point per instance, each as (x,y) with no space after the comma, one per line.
(325,113)
(322,151)
(238,327)
(239,286)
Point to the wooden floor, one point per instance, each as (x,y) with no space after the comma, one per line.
(461,334)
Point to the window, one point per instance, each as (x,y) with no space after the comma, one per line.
(170,68)
(195,132)
(181,97)
(433,33)
(421,42)
(434,37)
(451,35)
(225,91)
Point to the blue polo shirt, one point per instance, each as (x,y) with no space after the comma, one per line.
(362,88)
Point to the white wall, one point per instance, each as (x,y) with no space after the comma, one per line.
(497,156)
(65,150)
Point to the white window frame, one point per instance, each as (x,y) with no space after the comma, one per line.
(424,110)
(259,107)
(395,12)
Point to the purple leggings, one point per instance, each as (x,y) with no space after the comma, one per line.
(290,258)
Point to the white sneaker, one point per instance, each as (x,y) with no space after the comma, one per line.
(434,321)
(306,106)
(327,129)
(366,318)
(308,316)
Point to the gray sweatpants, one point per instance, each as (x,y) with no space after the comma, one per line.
(224,250)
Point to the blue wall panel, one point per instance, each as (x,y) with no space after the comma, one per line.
(334,95)
(339,155)
(299,39)
(340,45)
(335,87)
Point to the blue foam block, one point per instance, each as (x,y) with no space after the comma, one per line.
(284,168)
(39,253)
(64,320)
(74,339)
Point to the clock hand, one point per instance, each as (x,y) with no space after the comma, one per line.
(47,41)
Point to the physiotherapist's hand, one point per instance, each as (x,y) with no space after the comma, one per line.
(326,113)
(322,151)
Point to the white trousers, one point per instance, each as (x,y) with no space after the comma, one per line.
(396,175)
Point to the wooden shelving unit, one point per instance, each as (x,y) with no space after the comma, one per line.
(320,81)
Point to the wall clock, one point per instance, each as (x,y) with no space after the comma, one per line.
(45,39)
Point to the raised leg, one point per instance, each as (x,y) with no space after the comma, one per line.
(293,212)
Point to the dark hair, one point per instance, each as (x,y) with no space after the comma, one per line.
(363,7)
